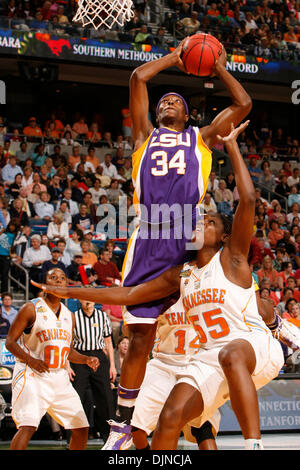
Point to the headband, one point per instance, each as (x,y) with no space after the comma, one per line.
(176,94)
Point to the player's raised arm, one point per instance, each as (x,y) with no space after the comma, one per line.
(158,288)
(139,101)
(235,113)
(242,227)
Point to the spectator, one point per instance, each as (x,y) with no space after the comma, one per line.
(287,271)
(16,212)
(92,158)
(23,154)
(96,341)
(209,203)
(294,178)
(96,191)
(80,128)
(223,198)
(143,36)
(108,168)
(112,248)
(36,180)
(94,136)
(4,326)
(16,186)
(67,196)
(27,177)
(191,24)
(287,293)
(55,189)
(73,243)
(266,283)
(10,170)
(75,271)
(75,157)
(104,179)
(39,156)
(267,271)
(114,192)
(106,271)
(21,243)
(88,257)
(213,182)
(288,308)
(34,196)
(275,234)
(33,260)
(32,131)
(254,170)
(57,228)
(76,192)
(44,210)
(294,196)
(106,140)
(294,213)
(83,220)
(64,256)
(8,312)
(91,207)
(53,262)
(64,211)
(120,352)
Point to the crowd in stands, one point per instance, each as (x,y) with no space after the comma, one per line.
(264,28)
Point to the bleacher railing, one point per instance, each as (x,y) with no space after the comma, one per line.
(23,287)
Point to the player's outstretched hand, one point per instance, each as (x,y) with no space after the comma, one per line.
(38,365)
(93,362)
(233,134)
(60,292)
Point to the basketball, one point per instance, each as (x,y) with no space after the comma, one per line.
(200,53)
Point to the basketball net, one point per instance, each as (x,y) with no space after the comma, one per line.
(104,12)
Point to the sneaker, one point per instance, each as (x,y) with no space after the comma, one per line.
(119,438)
(287,334)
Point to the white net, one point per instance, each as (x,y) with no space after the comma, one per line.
(104,13)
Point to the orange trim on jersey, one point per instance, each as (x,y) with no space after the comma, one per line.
(24,371)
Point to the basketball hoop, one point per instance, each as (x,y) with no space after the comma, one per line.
(104,12)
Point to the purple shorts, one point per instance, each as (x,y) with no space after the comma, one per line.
(147,258)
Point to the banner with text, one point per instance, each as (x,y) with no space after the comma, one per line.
(94,51)
(279,407)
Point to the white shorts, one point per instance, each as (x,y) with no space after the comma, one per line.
(206,375)
(35,394)
(160,378)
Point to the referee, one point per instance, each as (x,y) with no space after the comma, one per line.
(92,333)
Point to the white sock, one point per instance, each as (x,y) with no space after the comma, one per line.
(253,444)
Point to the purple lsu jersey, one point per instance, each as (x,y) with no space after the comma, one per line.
(170,172)
(172,169)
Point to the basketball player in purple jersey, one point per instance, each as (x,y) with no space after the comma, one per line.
(171,166)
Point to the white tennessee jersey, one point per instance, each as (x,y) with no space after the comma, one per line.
(218,309)
(176,340)
(50,337)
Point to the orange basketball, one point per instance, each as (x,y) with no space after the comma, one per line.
(200,53)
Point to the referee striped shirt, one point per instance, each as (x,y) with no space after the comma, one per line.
(89,332)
